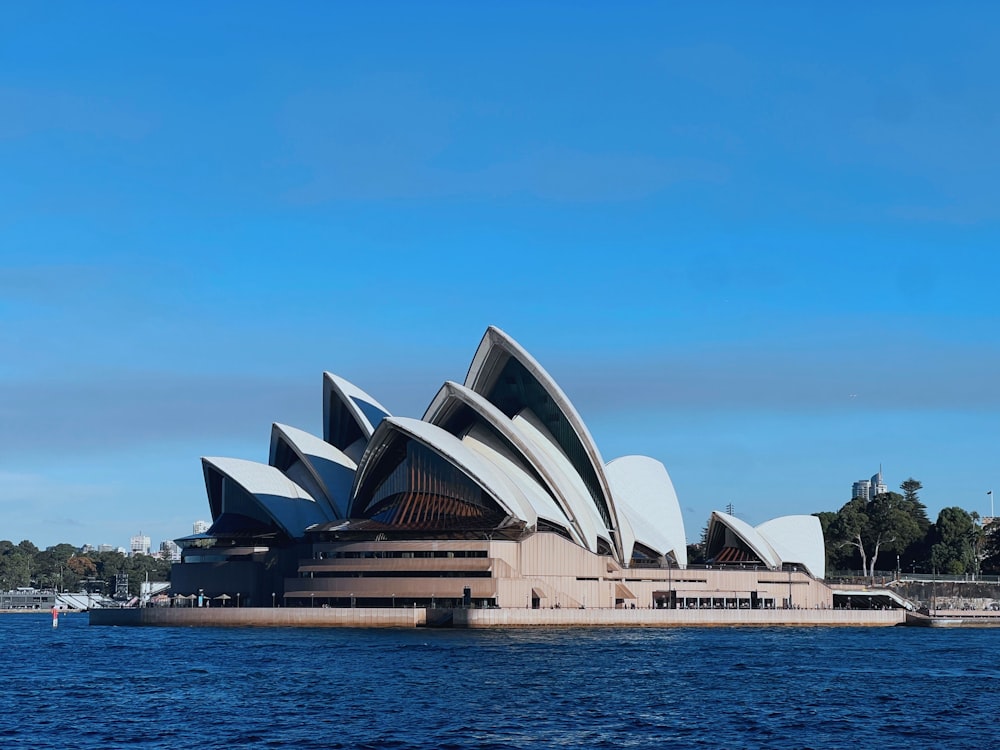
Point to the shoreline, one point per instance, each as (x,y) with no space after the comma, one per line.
(491,618)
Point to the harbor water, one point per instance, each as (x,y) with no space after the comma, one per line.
(105,687)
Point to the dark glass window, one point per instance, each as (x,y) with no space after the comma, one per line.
(342,427)
(413,487)
(284,456)
(214,481)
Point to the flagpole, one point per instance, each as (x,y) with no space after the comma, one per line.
(990,493)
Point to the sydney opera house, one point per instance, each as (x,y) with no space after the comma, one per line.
(497,497)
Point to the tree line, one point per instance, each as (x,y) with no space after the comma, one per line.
(63,567)
(892,531)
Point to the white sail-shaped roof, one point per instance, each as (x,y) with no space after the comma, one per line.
(350,415)
(329,470)
(503,491)
(748,535)
(489,374)
(644,492)
(283,501)
(484,442)
(797,540)
(580,503)
(573,501)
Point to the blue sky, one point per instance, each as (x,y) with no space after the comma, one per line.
(758,243)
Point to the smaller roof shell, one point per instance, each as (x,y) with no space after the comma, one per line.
(749,535)
(332,470)
(361,409)
(797,540)
(478,468)
(643,489)
(289,505)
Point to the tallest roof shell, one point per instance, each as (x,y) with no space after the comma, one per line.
(505,374)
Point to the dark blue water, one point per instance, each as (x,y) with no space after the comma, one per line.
(90,687)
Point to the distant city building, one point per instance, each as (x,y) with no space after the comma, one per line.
(27,598)
(105,548)
(869,488)
(199,527)
(170,551)
(140,545)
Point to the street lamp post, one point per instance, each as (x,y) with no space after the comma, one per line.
(237,600)
(272,600)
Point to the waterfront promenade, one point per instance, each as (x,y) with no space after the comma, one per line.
(362,617)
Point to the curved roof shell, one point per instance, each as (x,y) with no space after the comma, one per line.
(797,540)
(510,378)
(325,471)
(745,533)
(263,492)
(350,415)
(455,406)
(646,497)
(499,488)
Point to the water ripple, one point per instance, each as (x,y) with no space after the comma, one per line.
(782,688)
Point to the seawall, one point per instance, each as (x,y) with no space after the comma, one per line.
(652,618)
(491,618)
(293,617)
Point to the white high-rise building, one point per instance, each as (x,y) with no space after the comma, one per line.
(870,488)
(139,544)
(199,527)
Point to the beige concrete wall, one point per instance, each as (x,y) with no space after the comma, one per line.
(501,618)
(489,618)
(562,574)
(401,588)
(305,617)
(570,576)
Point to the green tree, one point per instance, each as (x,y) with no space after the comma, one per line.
(15,567)
(28,547)
(887,523)
(954,550)
(917,509)
(51,569)
(82,566)
(978,540)
(991,548)
(838,556)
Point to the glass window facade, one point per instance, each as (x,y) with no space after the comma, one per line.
(414,487)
